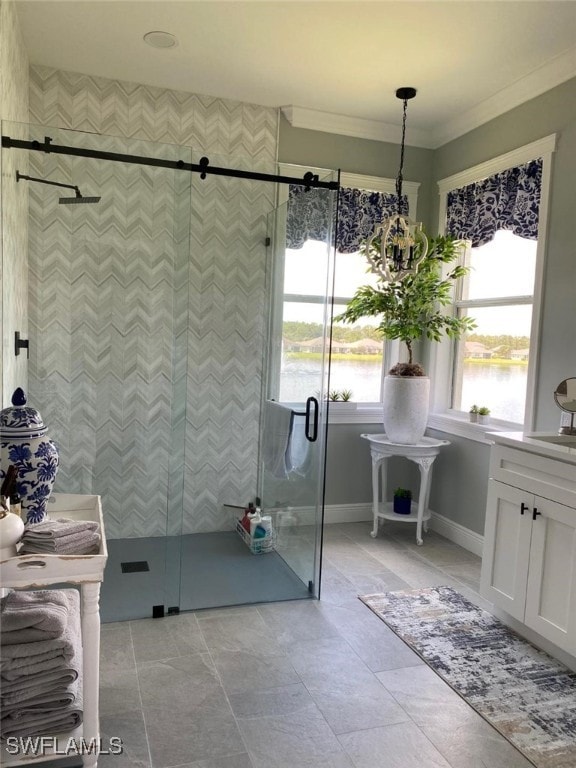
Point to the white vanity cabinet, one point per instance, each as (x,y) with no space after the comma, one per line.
(529,559)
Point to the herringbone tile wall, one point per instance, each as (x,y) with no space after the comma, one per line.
(147,311)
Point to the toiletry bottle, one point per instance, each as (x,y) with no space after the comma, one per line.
(255,521)
(248,515)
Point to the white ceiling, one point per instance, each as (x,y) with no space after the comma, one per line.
(338,64)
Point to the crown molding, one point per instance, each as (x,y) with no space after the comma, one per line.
(549,75)
(359,127)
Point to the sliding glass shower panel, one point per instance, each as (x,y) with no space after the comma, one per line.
(107,308)
(226,350)
(293,436)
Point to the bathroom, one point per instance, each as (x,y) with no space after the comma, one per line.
(42,96)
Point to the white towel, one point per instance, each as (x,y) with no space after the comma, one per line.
(278,425)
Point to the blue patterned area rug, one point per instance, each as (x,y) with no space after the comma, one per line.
(528,696)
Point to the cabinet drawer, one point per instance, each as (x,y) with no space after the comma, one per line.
(545,477)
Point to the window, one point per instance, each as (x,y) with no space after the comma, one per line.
(491,363)
(494,365)
(357,359)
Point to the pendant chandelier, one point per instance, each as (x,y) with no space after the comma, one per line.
(398,244)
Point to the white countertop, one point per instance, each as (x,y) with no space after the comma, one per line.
(554,446)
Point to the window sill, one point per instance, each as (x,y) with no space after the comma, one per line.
(450,423)
(459,425)
(363,413)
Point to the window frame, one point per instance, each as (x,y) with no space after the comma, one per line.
(366,412)
(441,355)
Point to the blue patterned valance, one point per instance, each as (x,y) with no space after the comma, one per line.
(358,213)
(508,200)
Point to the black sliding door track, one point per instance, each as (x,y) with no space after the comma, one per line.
(309,180)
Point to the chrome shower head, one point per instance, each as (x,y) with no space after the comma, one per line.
(78,200)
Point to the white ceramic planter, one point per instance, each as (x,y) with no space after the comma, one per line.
(405,408)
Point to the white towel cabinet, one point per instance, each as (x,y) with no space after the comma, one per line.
(85,572)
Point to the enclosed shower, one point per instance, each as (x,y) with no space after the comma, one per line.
(154,317)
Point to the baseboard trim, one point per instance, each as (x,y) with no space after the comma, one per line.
(356,513)
(347,513)
(457,533)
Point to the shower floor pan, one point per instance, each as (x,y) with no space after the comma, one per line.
(217,570)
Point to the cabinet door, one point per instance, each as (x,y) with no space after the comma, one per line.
(551,593)
(506,547)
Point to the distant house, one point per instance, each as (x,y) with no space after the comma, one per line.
(519,354)
(366,347)
(362,347)
(476,350)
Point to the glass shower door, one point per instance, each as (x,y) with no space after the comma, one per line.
(294,403)
(102,290)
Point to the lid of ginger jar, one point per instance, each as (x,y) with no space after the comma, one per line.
(20,420)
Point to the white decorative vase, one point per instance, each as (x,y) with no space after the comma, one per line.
(406,405)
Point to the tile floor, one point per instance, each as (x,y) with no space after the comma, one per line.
(301,684)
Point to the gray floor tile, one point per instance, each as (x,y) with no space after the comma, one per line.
(119,690)
(383,581)
(116,649)
(475,744)
(282,700)
(347,693)
(240,632)
(270,686)
(375,643)
(232,761)
(295,621)
(289,741)
(152,639)
(425,696)
(187,714)
(242,671)
(394,746)
(184,731)
(130,728)
(184,679)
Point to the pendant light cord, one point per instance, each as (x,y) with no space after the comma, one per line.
(399,178)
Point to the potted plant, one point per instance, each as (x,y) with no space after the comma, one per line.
(483,415)
(402,501)
(410,309)
(342,399)
(473,414)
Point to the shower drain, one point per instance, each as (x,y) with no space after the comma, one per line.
(136,566)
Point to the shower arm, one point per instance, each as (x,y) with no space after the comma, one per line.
(46,181)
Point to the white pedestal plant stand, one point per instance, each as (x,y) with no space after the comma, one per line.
(423,454)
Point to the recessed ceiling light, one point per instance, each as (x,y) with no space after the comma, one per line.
(160,39)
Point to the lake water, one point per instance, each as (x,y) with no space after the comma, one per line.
(500,387)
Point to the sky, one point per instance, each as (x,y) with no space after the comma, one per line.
(503,267)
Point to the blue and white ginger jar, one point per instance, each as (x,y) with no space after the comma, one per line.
(24,442)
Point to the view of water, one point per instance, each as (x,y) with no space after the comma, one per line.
(502,388)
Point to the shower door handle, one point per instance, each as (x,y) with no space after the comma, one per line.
(311,436)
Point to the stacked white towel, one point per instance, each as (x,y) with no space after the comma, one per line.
(40,663)
(61,537)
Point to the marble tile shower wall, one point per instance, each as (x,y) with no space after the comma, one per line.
(148,309)
(13,106)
